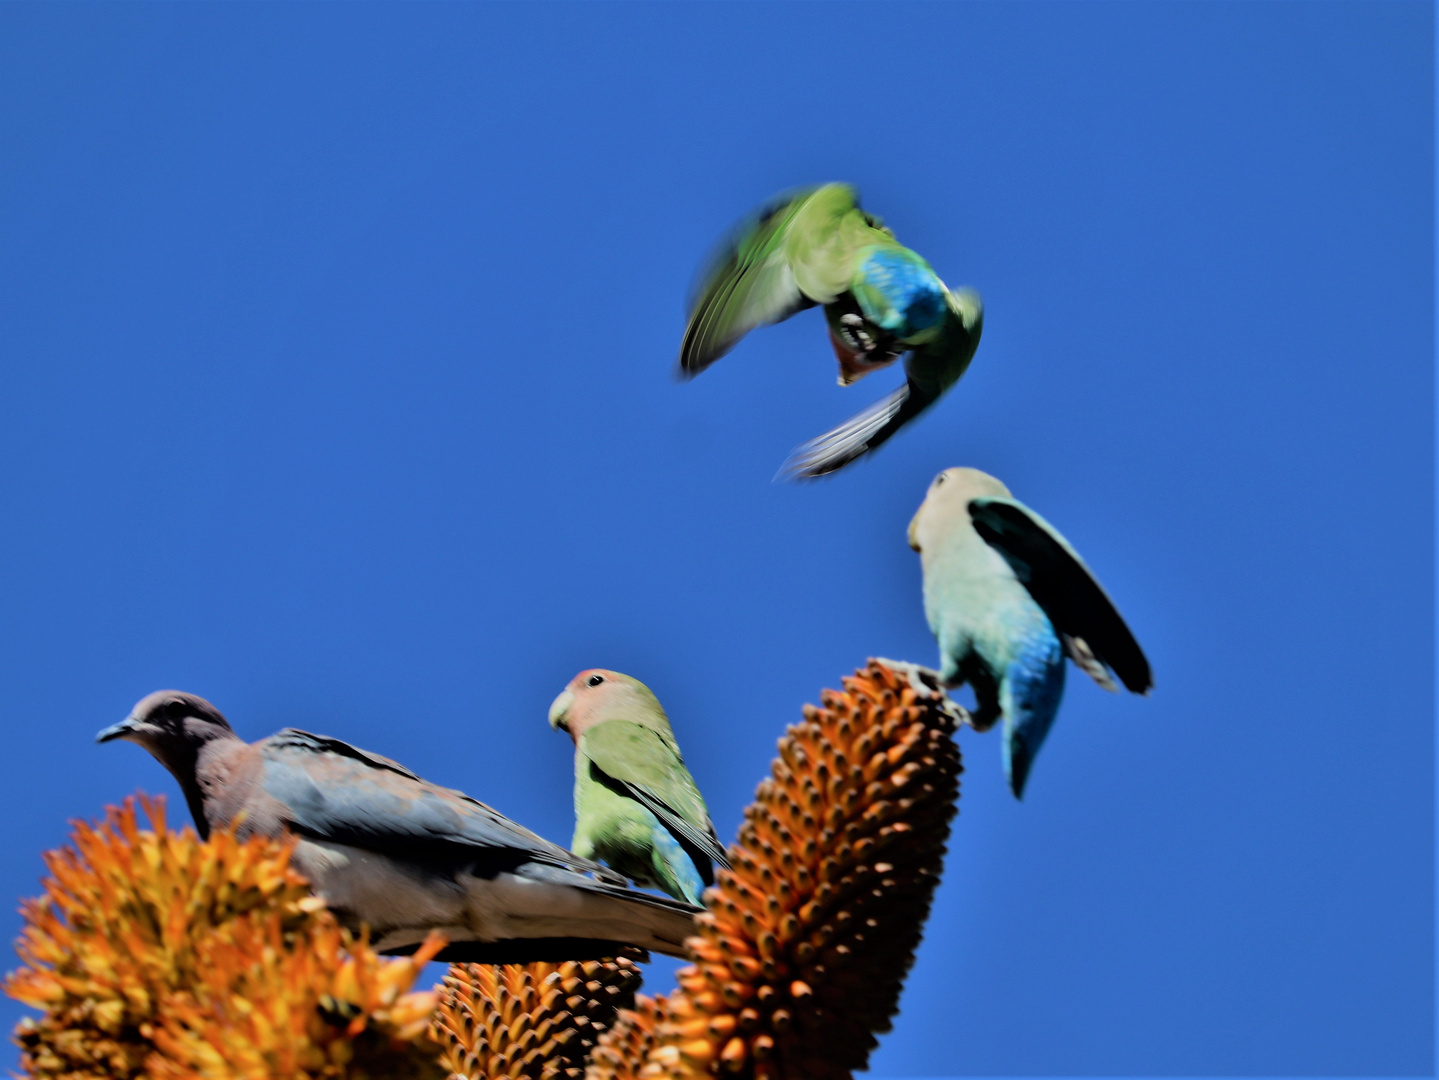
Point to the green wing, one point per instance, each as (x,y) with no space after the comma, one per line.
(1055,575)
(792,256)
(643,764)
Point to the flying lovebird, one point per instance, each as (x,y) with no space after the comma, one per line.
(390,851)
(881,300)
(1008,599)
(637,809)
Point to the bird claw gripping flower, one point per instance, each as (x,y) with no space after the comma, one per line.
(536,1021)
(155,954)
(800,959)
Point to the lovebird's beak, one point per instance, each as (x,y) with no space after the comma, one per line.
(117,731)
(913,528)
(560,709)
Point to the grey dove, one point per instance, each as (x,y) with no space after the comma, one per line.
(386,849)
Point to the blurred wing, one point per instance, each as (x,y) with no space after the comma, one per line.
(335,792)
(1062,585)
(858,435)
(930,369)
(637,761)
(750,282)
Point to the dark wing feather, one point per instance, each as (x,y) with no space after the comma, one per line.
(1062,585)
(859,434)
(335,792)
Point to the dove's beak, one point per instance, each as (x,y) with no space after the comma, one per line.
(123,729)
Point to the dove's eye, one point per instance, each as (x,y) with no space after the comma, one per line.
(595,680)
(939,480)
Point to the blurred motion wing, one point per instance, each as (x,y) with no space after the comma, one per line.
(858,435)
(930,370)
(749,283)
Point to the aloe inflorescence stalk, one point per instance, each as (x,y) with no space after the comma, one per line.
(536,1021)
(803,952)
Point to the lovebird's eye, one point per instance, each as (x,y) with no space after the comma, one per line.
(595,680)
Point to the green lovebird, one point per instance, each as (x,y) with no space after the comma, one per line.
(816,246)
(1008,598)
(637,808)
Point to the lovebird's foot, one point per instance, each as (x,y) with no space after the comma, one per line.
(928,683)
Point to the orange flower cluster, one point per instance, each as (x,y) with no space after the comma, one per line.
(323,1006)
(153,954)
(537,1021)
(802,955)
(621,1052)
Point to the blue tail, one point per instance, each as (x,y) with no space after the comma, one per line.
(674,869)
(1029,697)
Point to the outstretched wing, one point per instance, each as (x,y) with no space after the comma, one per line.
(331,791)
(640,763)
(858,435)
(1063,586)
(750,282)
(930,370)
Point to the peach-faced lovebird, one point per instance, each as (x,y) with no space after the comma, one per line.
(816,246)
(1007,599)
(637,808)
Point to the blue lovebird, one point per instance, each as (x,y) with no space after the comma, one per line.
(1008,599)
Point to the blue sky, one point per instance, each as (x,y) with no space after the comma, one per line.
(335,385)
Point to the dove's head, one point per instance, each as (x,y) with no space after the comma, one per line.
(597,695)
(949,494)
(172,725)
